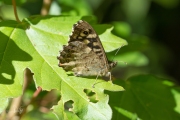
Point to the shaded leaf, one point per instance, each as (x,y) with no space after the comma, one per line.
(146,97)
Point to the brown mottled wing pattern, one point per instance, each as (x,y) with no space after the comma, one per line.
(84,54)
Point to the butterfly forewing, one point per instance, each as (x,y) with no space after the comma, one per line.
(84,54)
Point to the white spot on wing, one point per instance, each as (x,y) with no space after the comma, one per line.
(92,36)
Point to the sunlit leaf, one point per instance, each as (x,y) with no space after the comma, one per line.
(35,43)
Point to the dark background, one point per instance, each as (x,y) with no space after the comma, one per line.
(161,24)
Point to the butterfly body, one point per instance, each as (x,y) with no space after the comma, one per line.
(84,54)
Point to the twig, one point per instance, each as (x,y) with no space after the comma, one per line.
(15,108)
(48,100)
(36,93)
(46,7)
(16,103)
(15,10)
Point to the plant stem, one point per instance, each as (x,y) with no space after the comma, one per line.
(46,6)
(15,10)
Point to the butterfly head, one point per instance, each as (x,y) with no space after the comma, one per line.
(112,64)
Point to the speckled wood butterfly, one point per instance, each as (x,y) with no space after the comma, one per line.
(84,54)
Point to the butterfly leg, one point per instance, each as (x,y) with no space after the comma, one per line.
(96,79)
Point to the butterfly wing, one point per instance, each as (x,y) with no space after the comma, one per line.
(84,54)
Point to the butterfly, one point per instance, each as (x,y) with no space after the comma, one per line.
(84,55)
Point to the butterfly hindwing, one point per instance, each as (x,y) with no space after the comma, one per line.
(84,54)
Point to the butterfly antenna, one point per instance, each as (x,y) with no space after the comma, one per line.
(123,62)
(117,51)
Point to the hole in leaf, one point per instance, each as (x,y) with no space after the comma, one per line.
(7,76)
(68,105)
(91,95)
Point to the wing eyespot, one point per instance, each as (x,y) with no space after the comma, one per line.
(86,32)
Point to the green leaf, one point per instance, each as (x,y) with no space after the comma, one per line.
(3,104)
(37,115)
(11,72)
(167,3)
(128,114)
(136,12)
(122,29)
(146,97)
(73,90)
(71,7)
(19,2)
(35,43)
(133,59)
(110,42)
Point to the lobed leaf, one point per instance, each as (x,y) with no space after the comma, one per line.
(35,43)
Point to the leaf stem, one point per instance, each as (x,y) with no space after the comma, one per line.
(36,93)
(15,10)
(46,6)
(16,107)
